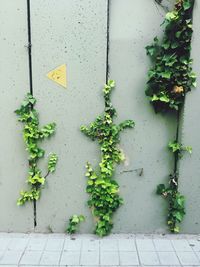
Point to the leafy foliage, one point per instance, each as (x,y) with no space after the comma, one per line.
(52,162)
(74,222)
(176,201)
(103,189)
(32,134)
(171,76)
(178,148)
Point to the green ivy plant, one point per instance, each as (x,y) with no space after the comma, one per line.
(103,189)
(169,80)
(32,135)
(74,223)
(178,148)
(176,201)
(171,76)
(176,210)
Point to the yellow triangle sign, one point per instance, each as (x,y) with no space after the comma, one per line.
(59,75)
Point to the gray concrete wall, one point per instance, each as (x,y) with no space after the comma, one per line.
(190,165)
(74,32)
(14,85)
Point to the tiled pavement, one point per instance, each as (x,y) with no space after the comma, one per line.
(88,250)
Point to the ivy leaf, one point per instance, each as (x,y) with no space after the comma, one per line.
(152,49)
(47,130)
(164,98)
(171,15)
(174,146)
(194,84)
(161,189)
(111,83)
(81,218)
(166,74)
(188,149)
(126,124)
(186,4)
(176,229)
(75,219)
(180,200)
(166,44)
(53,159)
(179,216)
(155,98)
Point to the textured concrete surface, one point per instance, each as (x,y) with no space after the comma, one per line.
(14,80)
(190,165)
(74,32)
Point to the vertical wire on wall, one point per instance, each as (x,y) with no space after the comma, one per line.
(29,46)
(177,140)
(108,41)
(178,118)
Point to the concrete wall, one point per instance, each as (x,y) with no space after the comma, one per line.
(14,85)
(74,32)
(190,165)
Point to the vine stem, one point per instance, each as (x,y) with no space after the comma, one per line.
(29,46)
(159,2)
(47,174)
(175,177)
(108,41)
(176,156)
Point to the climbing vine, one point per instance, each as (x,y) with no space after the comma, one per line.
(74,223)
(32,134)
(169,80)
(103,189)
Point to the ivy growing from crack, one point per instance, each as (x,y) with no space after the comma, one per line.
(169,80)
(103,189)
(32,135)
(178,148)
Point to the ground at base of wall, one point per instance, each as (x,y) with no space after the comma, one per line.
(88,250)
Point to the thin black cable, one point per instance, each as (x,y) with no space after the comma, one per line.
(35,212)
(29,46)
(176,156)
(108,41)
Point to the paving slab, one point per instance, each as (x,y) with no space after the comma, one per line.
(50,250)
(70,258)
(11,257)
(54,244)
(50,258)
(89,258)
(31,258)
(149,258)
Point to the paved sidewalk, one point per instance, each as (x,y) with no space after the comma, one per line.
(88,250)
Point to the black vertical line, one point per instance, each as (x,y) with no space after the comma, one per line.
(108,41)
(35,213)
(29,46)
(176,156)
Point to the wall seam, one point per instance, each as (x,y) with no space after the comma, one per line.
(108,41)
(29,46)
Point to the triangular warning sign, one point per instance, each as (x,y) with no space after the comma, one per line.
(59,75)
